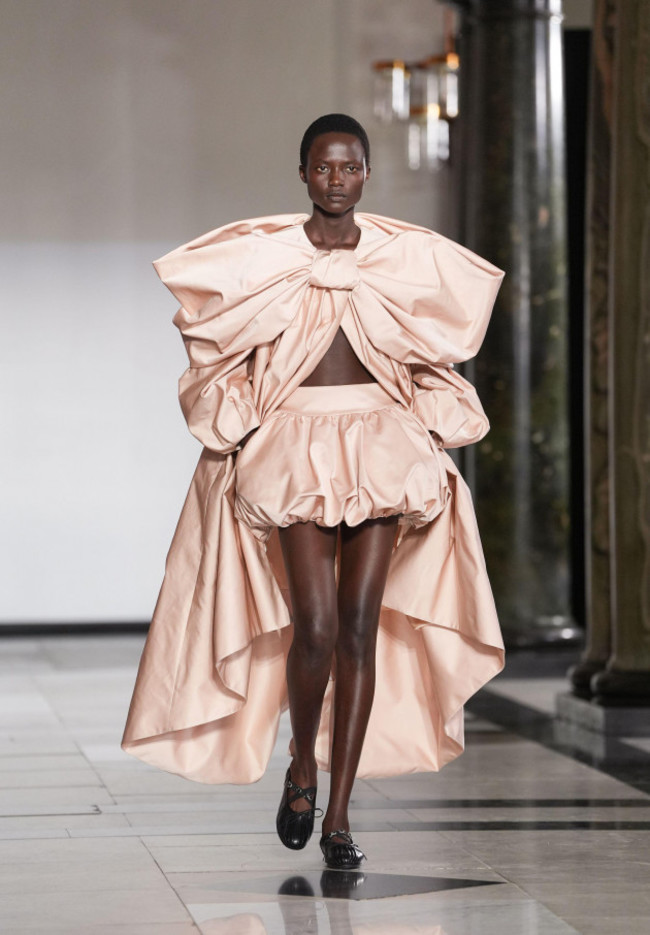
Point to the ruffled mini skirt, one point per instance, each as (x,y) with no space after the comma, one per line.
(333,454)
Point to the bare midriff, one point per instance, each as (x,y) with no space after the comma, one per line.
(339,365)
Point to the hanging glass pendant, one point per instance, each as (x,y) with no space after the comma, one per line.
(425,96)
(434,103)
(449,86)
(391,90)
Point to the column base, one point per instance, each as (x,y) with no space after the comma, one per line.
(541,631)
(616,721)
(581,674)
(615,688)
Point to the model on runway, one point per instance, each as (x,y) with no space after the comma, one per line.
(321,384)
(333,623)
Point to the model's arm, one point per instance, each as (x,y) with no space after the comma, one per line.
(448,405)
(217,397)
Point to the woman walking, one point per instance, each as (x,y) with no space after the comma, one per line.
(327,557)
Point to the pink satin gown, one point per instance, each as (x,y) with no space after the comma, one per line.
(260,307)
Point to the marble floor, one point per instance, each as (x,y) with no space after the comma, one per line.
(528,833)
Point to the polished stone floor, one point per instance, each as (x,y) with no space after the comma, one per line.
(531,832)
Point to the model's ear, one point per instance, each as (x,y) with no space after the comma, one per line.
(367,176)
(302,173)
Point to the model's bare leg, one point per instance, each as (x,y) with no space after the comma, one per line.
(309,553)
(365,557)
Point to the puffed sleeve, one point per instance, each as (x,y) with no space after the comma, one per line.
(425,299)
(215,392)
(448,405)
(237,287)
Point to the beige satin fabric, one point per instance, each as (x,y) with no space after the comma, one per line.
(339,454)
(260,307)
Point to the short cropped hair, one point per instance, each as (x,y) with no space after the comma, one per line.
(333,123)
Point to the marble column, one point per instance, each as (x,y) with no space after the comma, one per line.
(597,528)
(626,680)
(513,210)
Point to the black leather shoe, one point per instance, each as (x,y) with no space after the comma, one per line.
(295,828)
(343,854)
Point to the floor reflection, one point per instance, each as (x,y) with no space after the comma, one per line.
(354,884)
(301,918)
(315,917)
(350,884)
(323,903)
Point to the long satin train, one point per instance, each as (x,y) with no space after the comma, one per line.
(212,684)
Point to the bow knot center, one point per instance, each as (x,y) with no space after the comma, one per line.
(334,269)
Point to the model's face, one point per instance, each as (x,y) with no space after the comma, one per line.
(335,172)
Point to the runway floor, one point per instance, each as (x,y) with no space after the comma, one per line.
(531,832)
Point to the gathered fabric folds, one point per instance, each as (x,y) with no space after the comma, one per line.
(339,454)
(260,307)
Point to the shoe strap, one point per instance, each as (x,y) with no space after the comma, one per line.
(340,833)
(299,792)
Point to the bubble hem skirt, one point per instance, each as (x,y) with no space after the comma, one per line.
(333,454)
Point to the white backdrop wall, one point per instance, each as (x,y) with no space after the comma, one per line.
(130,126)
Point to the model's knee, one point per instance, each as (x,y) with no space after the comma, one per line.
(357,635)
(315,638)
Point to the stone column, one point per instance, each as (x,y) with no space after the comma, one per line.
(513,210)
(626,680)
(597,529)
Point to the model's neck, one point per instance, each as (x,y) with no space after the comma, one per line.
(330,231)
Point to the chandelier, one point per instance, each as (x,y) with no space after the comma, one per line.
(423,97)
